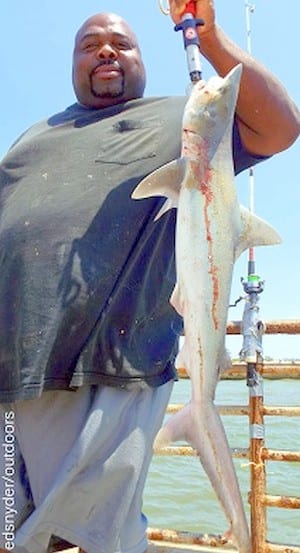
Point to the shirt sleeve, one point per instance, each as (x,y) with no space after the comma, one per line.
(242,159)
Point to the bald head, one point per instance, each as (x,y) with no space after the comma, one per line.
(107,62)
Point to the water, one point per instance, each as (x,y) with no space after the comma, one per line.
(178,494)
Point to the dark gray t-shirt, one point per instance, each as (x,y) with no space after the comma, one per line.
(85,271)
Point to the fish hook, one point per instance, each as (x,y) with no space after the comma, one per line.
(163,9)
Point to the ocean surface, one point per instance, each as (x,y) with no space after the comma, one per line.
(178,494)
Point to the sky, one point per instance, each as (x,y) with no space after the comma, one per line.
(36,43)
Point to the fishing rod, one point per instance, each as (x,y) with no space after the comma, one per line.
(252,326)
(249,9)
(252,353)
(188,25)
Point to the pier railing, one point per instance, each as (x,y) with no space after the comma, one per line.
(256,453)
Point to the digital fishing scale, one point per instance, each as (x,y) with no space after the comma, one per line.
(188,26)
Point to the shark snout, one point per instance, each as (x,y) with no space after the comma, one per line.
(232,80)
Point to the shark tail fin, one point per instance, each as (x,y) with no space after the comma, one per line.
(202,428)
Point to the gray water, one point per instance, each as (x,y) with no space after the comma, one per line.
(178,494)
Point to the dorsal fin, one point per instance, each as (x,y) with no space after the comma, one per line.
(255,232)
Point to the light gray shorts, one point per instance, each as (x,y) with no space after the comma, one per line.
(86,456)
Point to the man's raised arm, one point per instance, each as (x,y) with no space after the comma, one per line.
(269,120)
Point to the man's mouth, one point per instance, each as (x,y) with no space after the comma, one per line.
(107,70)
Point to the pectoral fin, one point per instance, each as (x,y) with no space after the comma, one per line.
(165,181)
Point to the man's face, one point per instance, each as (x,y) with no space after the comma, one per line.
(107,63)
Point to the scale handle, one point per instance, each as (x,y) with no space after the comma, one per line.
(188,26)
(190,8)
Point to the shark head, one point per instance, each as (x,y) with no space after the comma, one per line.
(211,105)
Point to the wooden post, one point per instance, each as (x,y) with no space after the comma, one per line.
(257,465)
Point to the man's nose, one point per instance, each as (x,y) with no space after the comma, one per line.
(107,51)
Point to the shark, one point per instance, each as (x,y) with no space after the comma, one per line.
(212,230)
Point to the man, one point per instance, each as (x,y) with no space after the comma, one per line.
(88,337)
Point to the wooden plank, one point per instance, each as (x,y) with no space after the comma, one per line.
(271,371)
(167,547)
(278,548)
(177,539)
(283,501)
(289,326)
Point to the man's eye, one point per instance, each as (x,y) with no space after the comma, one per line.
(89,46)
(122,45)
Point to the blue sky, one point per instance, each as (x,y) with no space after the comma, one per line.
(36,44)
